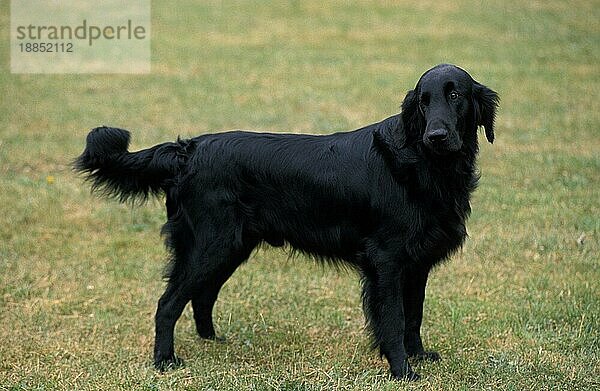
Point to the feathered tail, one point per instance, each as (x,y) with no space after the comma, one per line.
(127,175)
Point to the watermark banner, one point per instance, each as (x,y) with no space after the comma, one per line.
(80,36)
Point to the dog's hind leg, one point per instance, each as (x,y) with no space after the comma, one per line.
(207,246)
(170,307)
(203,304)
(204,298)
(180,239)
(197,275)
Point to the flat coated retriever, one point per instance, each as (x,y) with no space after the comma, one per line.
(389,199)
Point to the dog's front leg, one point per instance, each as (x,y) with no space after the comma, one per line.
(383,300)
(415,280)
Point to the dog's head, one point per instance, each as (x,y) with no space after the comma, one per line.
(446,107)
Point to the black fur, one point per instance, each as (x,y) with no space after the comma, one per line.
(389,199)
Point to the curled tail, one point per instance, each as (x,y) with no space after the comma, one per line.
(128,175)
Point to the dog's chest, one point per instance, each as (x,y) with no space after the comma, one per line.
(439,224)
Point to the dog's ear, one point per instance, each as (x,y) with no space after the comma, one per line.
(485,103)
(410,101)
(412,117)
(389,138)
(410,105)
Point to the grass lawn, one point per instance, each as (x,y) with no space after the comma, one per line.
(517,309)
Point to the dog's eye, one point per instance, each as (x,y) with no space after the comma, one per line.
(453,95)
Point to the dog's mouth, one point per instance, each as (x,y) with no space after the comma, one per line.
(441,140)
(443,148)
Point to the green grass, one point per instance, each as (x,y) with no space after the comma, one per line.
(517,309)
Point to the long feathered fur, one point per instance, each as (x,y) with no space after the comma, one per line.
(116,172)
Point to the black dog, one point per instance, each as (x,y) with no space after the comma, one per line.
(389,199)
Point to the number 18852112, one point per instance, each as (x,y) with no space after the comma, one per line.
(46,47)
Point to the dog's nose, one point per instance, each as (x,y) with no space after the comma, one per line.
(437,135)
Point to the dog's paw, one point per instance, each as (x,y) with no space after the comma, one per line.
(207,331)
(427,356)
(214,338)
(167,364)
(405,373)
